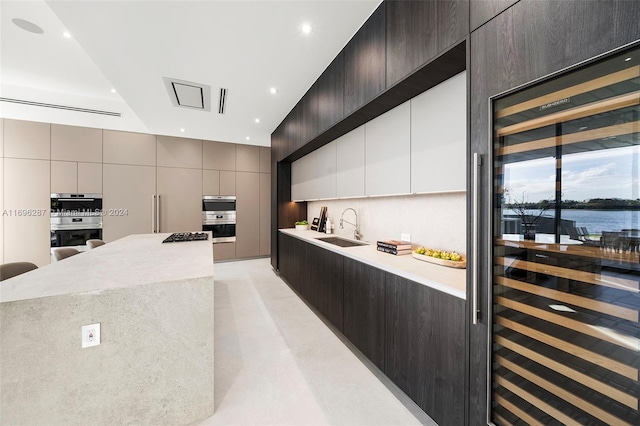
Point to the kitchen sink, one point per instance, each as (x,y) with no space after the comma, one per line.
(342,242)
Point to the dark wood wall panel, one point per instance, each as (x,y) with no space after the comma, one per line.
(452,22)
(482,11)
(529,40)
(363,318)
(364,62)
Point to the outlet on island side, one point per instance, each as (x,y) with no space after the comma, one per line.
(405,237)
(90,335)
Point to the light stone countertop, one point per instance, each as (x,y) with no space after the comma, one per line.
(448,280)
(130,261)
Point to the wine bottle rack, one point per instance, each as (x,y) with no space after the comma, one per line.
(566,310)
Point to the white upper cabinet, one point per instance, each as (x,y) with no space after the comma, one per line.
(350,164)
(388,152)
(439,137)
(303,178)
(71,143)
(179,152)
(326,171)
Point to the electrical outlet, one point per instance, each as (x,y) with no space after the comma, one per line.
(405,237)
(90,335)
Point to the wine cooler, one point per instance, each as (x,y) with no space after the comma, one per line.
(565,333)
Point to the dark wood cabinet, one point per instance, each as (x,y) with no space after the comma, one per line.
(364,62)
(325,283)
(418,30)
(363,318)
(411,37)
(309,115)
(425,347)
(481,11)
(330,94)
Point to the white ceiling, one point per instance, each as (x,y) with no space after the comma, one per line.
(244,46)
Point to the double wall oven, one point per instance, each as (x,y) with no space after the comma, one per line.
(219,217)
(75,218)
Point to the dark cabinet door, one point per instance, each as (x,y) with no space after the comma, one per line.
(364,63)
(417,30)
(326,281)
(363,318)
(482,11)
(293,254)
(425,347)
(330,94)
(309,115)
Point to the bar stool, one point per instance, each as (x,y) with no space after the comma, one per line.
(64,252)
(10,270)
(95,243)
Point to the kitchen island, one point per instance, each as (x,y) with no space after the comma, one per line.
(154,365)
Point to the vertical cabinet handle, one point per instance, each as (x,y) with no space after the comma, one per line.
(158,214)
(153,214)
(477,162)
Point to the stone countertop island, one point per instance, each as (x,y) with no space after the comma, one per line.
(154,303)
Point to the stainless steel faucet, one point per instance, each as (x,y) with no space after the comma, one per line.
(356,231)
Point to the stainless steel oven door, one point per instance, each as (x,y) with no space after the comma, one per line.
(74,237)
(219,203)
(75,204)
(222,232)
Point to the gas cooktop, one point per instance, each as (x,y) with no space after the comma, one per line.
(186,236)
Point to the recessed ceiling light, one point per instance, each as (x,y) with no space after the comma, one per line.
(66,34)
(273,90)
(257,120)
(182,130)
(306,28)
(27,26)
(627,59)
(248,138)
(113,90)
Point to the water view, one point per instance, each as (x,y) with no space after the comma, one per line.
(595,221)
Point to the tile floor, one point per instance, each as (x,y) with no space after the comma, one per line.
(277,363)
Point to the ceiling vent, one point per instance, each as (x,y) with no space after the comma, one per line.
(222,103)
(187,94)
(63,107)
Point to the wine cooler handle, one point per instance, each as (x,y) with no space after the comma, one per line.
(477,162)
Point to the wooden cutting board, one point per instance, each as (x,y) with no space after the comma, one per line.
(460,264)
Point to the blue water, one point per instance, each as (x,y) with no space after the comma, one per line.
(597,221)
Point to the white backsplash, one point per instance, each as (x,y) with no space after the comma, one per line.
(433,220)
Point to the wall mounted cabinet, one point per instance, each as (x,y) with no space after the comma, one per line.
(71,143)
(304,175)
(128,148)
(388,152)
(439,137)
(265,207)
(218,155)
(179,152)
(330,93)
(350,164)
(27,139)
(326,171)
(364,62)
(247,158)
(73,177)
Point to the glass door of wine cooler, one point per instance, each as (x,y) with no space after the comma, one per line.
(565,336)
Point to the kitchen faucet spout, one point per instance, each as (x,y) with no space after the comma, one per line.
(356,231)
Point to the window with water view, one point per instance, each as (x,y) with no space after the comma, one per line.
(566,248)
